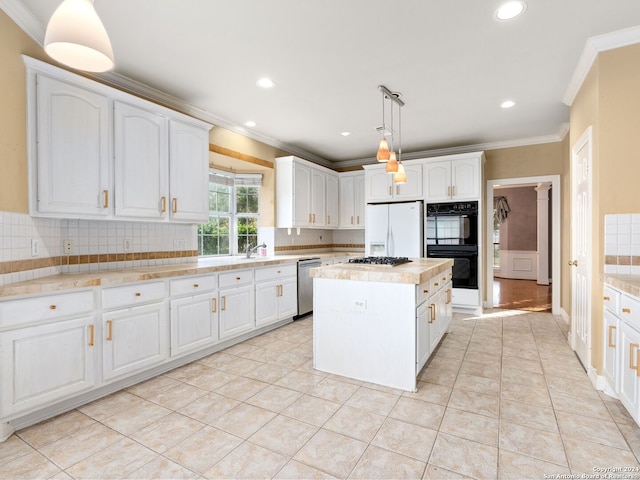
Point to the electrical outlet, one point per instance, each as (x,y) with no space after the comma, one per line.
(179,244)
(35,247)
(360,305)
(127,245)
(69,247)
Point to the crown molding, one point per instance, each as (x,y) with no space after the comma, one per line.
(522,142)
(594,46)
(23,17)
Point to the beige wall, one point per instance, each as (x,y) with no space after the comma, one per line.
(13,114)
(609,102)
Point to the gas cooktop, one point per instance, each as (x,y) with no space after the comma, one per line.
(390,261)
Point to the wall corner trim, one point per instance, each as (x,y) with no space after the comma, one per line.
(593,46)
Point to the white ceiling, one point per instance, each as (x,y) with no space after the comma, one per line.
(451,60)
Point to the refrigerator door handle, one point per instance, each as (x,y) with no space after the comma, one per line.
(390,243)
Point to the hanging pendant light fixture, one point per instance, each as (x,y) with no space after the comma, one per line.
(77,38)
(394,162)
(383,149)
(400,176)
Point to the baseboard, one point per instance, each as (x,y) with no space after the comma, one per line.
(565,316)
(597,381)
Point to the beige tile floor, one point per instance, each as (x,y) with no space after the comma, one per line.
(502,397)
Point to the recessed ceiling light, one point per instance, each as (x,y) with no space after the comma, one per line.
(250,123)
(507,104)
(510,10)
(345,134)
(266,83)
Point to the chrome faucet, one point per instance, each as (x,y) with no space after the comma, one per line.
(255,249)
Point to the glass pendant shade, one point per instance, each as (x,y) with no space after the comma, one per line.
(77,38)
(383,151)
(400,176)
(392,164)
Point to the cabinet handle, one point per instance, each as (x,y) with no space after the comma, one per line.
(611,328)
(195,285)
(444,279)
(163,204)
(91,335)
(448,296)
(626,310)
(390,190)
(310,219)
(138,294)
(328,219)
(279,290)
(425,291)
(314,218)
(109,330)
(215,304)
(432,309)
(448,191)
(607,298)
(224,304)
(453,191)
(174,205)
(106,198)
(435,284)
(358,221)
(52,307)
(238,278)
(351,219)
(632,346)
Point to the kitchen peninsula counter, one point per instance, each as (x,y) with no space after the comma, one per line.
(378,323)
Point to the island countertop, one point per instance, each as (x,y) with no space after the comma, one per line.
(418,271)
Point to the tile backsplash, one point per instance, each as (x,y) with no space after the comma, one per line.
(622,244)
(96,245)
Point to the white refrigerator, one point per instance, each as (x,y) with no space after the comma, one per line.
(394,230)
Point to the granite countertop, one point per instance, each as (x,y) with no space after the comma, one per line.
(68,281)
(626,283)
(418,271)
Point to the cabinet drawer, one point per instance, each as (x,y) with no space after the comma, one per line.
(422,292)
(272,273)
(48,307)
(236,277)
(132,295)
(611,299)
(193,285)
(437,282)
(630,308)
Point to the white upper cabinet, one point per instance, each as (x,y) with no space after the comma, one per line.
(380,186)
(457,177)
(188,172)
(352,203)
(99,153)
(141,162)
(72,170)
(302,194)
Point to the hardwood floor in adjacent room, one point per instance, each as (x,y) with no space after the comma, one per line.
(521,295)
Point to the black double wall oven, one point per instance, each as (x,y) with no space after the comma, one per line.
(451,231)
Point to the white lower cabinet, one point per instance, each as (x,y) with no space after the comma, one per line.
(45,363)
(423,347)
(236,311)
(194,323)
(134,339)
(276,294)
(610,358)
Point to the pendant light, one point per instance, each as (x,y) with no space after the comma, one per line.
(77,38)
(383,150)
(392,164)
(400,176)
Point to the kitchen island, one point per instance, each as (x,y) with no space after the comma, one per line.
(378,323)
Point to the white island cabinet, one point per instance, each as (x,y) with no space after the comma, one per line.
(380,324)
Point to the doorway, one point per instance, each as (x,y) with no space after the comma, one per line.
(554,182)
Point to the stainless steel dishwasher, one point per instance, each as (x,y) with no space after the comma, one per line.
(305,285)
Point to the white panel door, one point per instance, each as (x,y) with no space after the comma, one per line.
(347,203)
(40,365)
(318,199)
(359,201)
(332,193)
(188,172)
(73,154)
(141,163)
(581,249)
(437,181)
(194,323)
(465,181)
(134,339)
(378,183)
(237,313)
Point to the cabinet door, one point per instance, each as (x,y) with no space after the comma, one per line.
(465,180)
(266,303)
(135,339)
(437,181)
(73,160)
(434,327)
(40,365)
(412,189)
(318,199)
(188,172)
(332,192)
(610,364)
(301,195)
(141,162)
(359,200)
(236,311)
(378,184)
(629,353)
(423,344)
(347,203)
(194,323)
(288,299)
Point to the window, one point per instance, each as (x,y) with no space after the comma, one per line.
(234,202)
